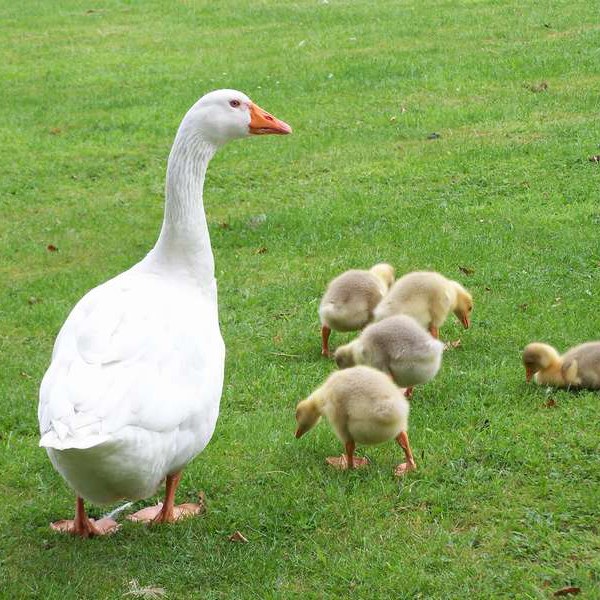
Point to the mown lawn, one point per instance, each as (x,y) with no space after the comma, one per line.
(506,500)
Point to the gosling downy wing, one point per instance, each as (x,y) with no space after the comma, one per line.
(349,301)
(581,365)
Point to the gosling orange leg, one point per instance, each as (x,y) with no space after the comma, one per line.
(434,331)
(325,333)
(410,464)
(167,511)
(350,447)
(82,525)
(348,460)
(408,392)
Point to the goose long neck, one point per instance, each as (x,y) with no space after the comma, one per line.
(184,241)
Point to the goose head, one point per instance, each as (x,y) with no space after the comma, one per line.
(225,115)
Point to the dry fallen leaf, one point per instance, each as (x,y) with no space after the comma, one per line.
(550,403)
(261,250)
(55,131)
(567,590)
(33,300)
(238,536)
(524,306)
(540,87)
(136,590)
(466,270)
(595,158)
(25,375)
(224,225)
(51,248)
(202,501)
(454,344)
(256,221)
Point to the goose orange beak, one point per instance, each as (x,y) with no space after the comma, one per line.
(528,374)
(299,433)
(263,123)
(465,321)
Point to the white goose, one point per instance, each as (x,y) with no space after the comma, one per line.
(132,393)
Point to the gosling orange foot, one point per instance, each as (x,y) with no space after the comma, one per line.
(408,392)
(404,468)
(341,462)
(159,514)
(410,464)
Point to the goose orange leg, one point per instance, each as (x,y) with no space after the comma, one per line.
(348,460)
(82,525)
(408,392)
(434,331)
(325,333)
(167,511)
(410,464)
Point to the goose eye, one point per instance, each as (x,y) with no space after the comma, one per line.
(234,103)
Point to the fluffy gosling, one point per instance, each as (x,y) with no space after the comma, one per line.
(577,368)
(363,406)
(397,346)
(428,297)
(351,298)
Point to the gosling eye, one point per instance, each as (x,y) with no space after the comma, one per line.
(234,103)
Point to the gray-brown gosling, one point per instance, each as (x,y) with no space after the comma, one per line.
(397,346)
(363,406)
(428,297)
(577,368)
(351,298)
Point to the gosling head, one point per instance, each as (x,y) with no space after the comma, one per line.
(307,416)
(344,356)
(538,357)
(464,305)
(385,273)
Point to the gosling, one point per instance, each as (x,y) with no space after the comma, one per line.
(428,297)
(351,298)
(577,368)
(363,406)
(397,346)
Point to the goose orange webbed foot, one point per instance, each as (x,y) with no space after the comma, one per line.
(158,514)
(167,511)
(83,526)
(90,528)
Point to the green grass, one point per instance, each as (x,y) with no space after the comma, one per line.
(505,503)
